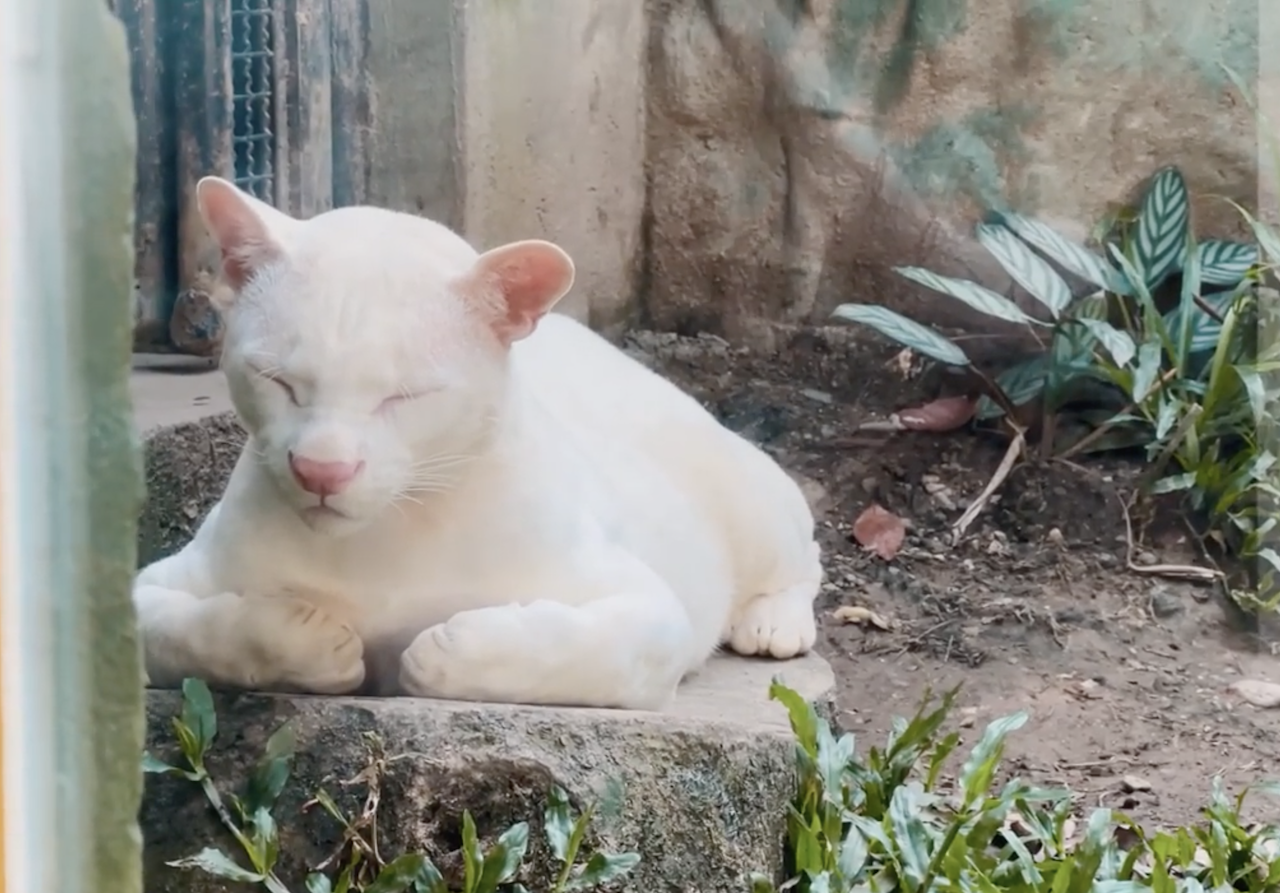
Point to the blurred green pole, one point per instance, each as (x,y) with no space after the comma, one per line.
(72,719)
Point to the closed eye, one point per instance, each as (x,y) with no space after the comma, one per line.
(396,400)
(403,397)
(278,382)
(288,389)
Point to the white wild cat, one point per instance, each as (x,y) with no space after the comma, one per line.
(448,492)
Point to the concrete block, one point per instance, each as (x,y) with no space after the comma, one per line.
(704,785)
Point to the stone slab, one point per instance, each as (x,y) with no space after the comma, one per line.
(703,785)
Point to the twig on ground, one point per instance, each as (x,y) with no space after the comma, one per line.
(1172,571)
(1017,447)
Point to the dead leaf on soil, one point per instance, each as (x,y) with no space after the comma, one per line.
(880,531)
(1131,784)
(1258,693)
(937,416)
(861,616)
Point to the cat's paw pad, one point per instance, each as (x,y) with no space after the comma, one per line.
(779,626)
(301,646)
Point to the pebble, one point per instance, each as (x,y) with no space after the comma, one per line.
(1164,603)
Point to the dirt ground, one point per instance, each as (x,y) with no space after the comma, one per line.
(1125,673)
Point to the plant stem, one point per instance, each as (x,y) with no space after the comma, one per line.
(269,880)
(1093,436)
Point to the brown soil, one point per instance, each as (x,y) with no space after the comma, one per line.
(1124,673)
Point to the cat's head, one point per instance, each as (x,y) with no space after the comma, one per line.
(366,350)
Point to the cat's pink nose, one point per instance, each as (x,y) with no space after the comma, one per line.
(323,478)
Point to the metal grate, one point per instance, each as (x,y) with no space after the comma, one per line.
(253,137)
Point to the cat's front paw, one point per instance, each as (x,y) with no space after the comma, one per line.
(293,644)
(476,655)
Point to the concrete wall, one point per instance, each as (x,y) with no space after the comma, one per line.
(507,119)
(714,163)
(797,154)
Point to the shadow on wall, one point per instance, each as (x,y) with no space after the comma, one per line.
(799,149)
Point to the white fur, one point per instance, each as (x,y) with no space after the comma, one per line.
(545,522)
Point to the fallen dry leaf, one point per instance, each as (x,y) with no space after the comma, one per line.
(1131,784)
(861,616)
(1256,692)
(880,531)
(943,414)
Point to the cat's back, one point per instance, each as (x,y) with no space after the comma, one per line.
(580,374)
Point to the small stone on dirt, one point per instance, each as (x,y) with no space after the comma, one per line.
(1055,536)
(1164,603)
(1145,558)
(1257,692)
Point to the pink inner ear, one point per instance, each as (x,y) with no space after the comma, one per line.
(235,225)
(531,277)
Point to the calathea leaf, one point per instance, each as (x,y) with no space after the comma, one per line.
(1072,257)
(1225,263)
(906,332)
(1117,342)
(1162,227)
(984,300)
(1205,329)
(1026,268)
(1021,383)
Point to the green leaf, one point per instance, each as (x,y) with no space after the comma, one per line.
(984,300)
(398,875)
(1117,342)
(472,858)
(906,332)
(1205,330)
(1072,257)
(1225,263)
(503,861)
(217,863)
(152,764)
(265,839)
(602,868)
(760,883)
(1021,383)
(910,834)
(820,882)
(1160,243)
(198,715)
(1174,483)
(853,855)
(272,772)
(804,719)
(1144,377)
(980,767)
(429,880)
(318,883)
(557,823)
(1026,268)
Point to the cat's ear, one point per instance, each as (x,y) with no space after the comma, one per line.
(247,230)
(522,281)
